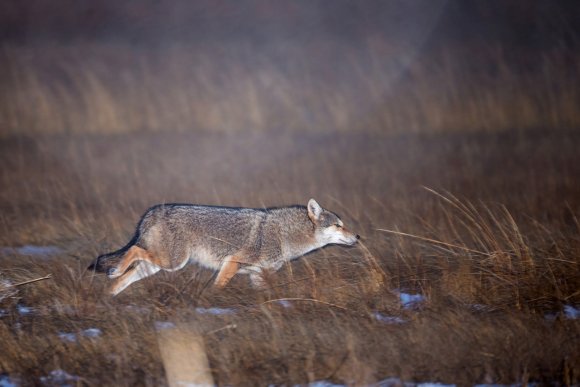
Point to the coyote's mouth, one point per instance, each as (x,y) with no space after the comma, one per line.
(348,242)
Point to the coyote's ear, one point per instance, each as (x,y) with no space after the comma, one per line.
(314,210)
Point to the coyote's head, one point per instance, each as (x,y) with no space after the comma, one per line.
(328,228)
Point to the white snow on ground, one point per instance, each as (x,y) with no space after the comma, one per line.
(284,303)
(91,332)
(324,383)
(509,385)
(59,378)
(396,382)
(160,325)
(72,337)
(7,289)
(215,311)
(571,312)
(390,382)
(388,319)
(7,381)
(25,310)
(31,250)
(409,301)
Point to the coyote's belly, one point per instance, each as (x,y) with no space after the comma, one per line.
(204,257)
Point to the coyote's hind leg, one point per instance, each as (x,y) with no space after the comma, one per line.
(141,270)
(135,253)
(229,268)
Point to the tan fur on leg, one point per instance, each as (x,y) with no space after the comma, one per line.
(141,270)
(135,253)
(228,270)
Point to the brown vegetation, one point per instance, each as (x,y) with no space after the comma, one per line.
(325,84)
(492,274)
(449,142)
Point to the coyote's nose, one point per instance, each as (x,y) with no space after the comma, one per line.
(357,236)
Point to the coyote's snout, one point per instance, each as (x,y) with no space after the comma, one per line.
(229,240)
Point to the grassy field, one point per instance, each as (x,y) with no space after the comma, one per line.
(498,276)
(454,157)
(321,85)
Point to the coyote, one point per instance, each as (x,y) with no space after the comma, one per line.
(229,240)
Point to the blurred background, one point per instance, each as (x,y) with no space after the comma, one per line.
(72,66)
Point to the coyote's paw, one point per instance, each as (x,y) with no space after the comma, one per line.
(112,272)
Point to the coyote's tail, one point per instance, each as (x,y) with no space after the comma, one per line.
(104,262)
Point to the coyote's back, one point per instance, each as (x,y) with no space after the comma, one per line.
(226,239)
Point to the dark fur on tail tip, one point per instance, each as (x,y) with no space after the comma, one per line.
(97,265)
(103,263)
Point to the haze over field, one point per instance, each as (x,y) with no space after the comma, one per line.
(445,133)
(393,66)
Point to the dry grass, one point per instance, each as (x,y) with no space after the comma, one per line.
(457,163)
(370,85)
(499,252)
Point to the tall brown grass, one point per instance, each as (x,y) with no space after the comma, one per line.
(325,84)
(494,248)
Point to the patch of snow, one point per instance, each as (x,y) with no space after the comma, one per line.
(396,382)
(410,300)
(571,312)
(91,332)
(390,382)
(70,337)
(7,381)
(59,378)
(215,311)
(507,385)
(3,313)
(160,325)
(324,383)
(25,310)
(393,382)
(388,319)
(284,303)
(6,289)
(31,250)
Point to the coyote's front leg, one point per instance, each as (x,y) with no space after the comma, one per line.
(228,269)
(257,277)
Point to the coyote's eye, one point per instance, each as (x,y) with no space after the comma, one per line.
(338,225)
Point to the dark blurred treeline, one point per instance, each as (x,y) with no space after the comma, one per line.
(541,24)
